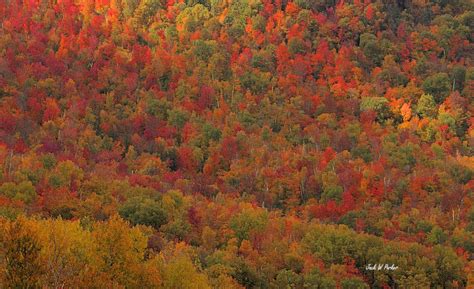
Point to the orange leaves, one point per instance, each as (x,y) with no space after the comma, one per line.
(406,112)
(327,156)
(291,8)
(223,16)
(279,17)
(51,110)
(295,31)
(467,161)
(64,47)
(195,36)
(329,210)
(186,159)
(101,4)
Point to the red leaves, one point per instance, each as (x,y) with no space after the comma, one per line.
(295,31)
(330,210)
(205,97)
(20,147)
(186,160)
(369,12)
(141,55)
(326,157)
(51,110)
(194,217)
(282,54)
(368,117)
(131,81)
(229,148)
(322,54)
(7,121)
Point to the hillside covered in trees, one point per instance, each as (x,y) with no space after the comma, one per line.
(236,143)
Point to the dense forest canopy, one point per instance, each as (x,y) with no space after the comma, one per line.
(236,143)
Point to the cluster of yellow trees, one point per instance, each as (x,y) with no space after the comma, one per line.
(63,254)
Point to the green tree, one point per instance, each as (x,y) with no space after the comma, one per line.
(203,50)
(192,17)
(458,77)
(287,279)
(331,188)
(177,117)
(248,221)
(437,236)
(354,283)
(378,105)
(145,11)
(296,46)
(24,191)
(315,279)
(438,85)
(449,267)
(426,106)
(144,211)
(128,7)
(371,48)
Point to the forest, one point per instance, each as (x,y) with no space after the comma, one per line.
(236,144)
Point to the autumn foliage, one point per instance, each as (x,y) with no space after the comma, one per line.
(236,144)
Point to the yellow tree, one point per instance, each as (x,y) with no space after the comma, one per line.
(121,250)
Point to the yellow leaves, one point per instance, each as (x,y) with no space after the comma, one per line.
(70,256)
(121,252)
(329,178)
(224,281)
(182,274)
(178,270)
(69,170)
(20,266)
(328,119)
(208,238)
(66,245)
(174,202)
(148,165)
(114,244)
(49,84)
